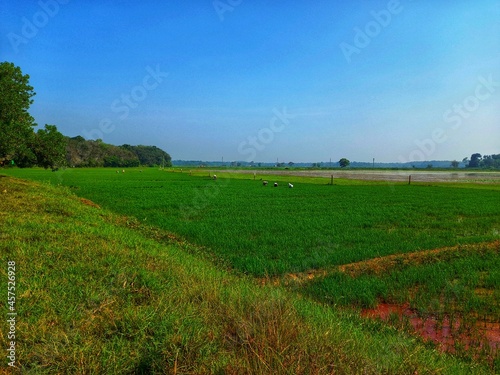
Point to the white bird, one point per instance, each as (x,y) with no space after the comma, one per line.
(290,185)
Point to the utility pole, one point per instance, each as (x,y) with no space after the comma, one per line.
(374,163)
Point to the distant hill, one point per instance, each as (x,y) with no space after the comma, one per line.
(90,153)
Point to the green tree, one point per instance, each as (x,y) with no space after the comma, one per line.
(344,163)
(455,164)
(16,124)
(50,147)
(475,160)
(490,161)
(150,155)
(83,153)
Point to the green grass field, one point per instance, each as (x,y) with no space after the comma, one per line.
(97,296)
(443,281)
(456,284)
(270,233)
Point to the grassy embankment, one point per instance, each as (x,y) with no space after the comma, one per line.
(95,295)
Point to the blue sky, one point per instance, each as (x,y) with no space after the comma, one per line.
(265,80)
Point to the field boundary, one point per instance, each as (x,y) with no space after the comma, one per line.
(380,265)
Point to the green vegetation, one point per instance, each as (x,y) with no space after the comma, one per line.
(20,145)
(433,247)
(344,163)
(83,153)
(18,140)
(157,280)
(96,295)
(463,280)
(459,285)
(272,231)
(484,162)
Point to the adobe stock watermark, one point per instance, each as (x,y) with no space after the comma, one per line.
(128,101)
(484,90)
(363,36)
(254,144)
(30,26)
(204,197)
(455,115)
(223,6)
(12,313)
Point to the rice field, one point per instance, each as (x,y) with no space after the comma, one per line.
(267,231)
(329,233)
(99,293)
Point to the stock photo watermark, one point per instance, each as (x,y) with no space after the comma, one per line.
(30,26)
(363,36)
(455,116)
(128,101)
(484,90)
(257,143)
(205,196)
(12,313)
(225,6)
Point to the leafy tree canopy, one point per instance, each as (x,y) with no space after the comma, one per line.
(15,95)
(83,153)
(475,160)
(150,155)
(50,147)
(16,124)
(484,161)
(47,147)
(344,163)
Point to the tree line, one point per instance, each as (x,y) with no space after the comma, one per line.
(90,153)
(483,161)
(22,146)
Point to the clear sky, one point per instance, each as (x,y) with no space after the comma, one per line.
(265,80)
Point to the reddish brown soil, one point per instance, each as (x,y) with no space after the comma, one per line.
(447,334)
